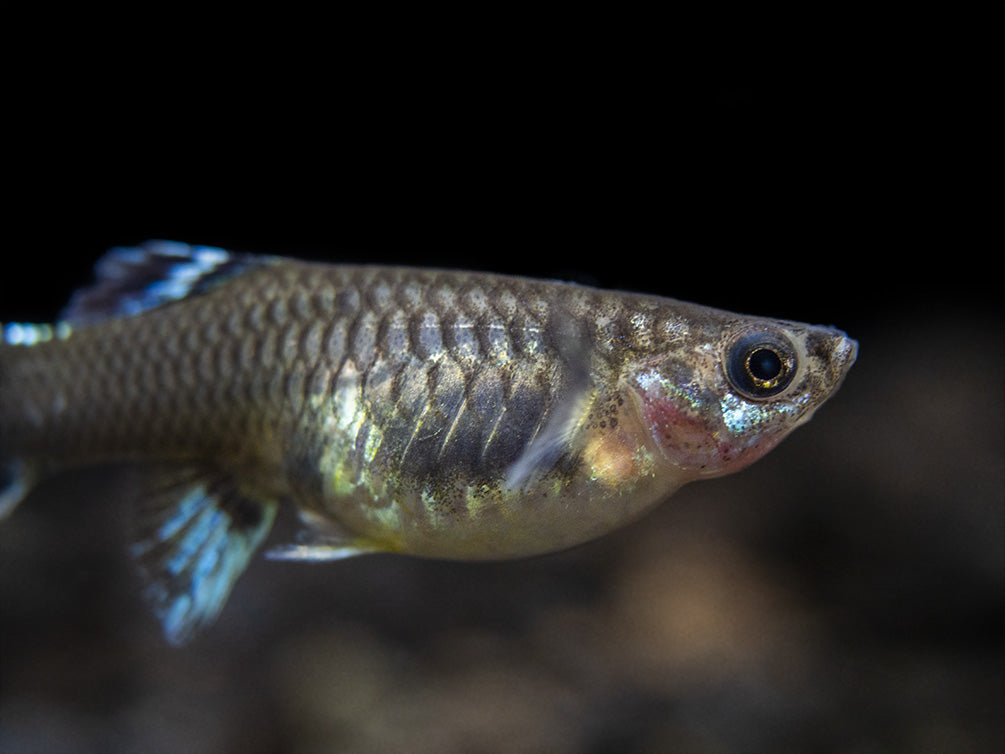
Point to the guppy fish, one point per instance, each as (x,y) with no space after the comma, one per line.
(434,413)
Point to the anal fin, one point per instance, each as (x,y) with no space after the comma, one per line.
(197,529)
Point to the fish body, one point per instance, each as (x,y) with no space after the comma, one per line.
(427,412)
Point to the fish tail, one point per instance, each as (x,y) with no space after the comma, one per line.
(16,480)
(16,477)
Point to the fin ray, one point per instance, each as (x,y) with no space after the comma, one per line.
(552,438)
(130,280)
(196,534)
(321,540)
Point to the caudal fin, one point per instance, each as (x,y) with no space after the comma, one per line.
(17,476)
(16,479)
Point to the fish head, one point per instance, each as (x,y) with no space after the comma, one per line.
(723,396)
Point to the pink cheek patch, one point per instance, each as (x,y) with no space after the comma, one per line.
(695,439)
(686,438)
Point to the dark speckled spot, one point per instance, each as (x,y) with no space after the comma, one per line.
(244,513)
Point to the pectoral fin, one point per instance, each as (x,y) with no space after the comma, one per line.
(196,532)
(566,416)
(550,444)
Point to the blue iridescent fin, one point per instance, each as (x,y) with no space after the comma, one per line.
(130,280)
(196,533)
(16,480)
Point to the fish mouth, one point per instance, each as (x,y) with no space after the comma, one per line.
(846,350)
(834,353)
(844,354)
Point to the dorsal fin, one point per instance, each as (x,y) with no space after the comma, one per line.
(130,280)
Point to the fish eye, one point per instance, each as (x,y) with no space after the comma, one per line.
(761,364)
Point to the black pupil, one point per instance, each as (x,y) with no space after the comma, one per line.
(764,364)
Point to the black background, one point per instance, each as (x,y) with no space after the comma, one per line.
(789,190)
